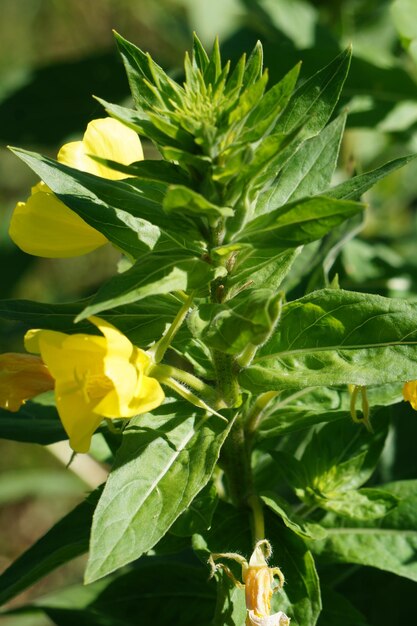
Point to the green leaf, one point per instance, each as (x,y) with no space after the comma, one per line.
(262,118)
(309,171)
(253,68)
(247,319)
(364,504)
(165,460)
(300,599)
(342,455)
(295,411)
(297,223)
(140,121)
(180,200)
(152,275)
(200,56)
(353,188)
(314,101)
(142,70)
(128,213)
(142,322)
(197,518)
(62,543)
(297,524)
(231,605)
(336,337)
(247,102)
(388,544)
(157,169)
(261,268)
(33,423)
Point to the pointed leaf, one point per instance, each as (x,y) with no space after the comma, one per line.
(164,461)
(262,268)
(309,172)
(248,319)
(142,322)
(314,101)
(262,118)
(353,188)
(180,199)
(336,337)
(128,213)
(389,544)
(139,67)
(298,222)
(152,275)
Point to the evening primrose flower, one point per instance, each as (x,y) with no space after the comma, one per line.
(258,582)
(43,225)
(96,377)
(410,393)
(22,377)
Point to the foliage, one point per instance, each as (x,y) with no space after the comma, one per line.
(229,242)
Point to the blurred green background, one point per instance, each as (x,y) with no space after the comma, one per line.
(55,54)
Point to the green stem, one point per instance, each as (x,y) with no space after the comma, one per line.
(227,383)
(235,461)
(258,530)
(159,349)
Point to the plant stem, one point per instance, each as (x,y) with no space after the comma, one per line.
(235,460)
(258,530)
(227,383)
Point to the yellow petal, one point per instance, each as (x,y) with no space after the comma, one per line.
(117,343)
(44,226)
(123,376)
(96,377)
(151,395)
(22,376)
(106,138)
(77,416)
(410,393)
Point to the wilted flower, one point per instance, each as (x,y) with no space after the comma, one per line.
(410,393)
(258,582)
(43,225)
(22,376)
(96,377)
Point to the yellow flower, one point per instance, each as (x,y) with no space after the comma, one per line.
(258,582)
(96,377)
(106,138)
(43,225)
(410,393)
(22,376)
